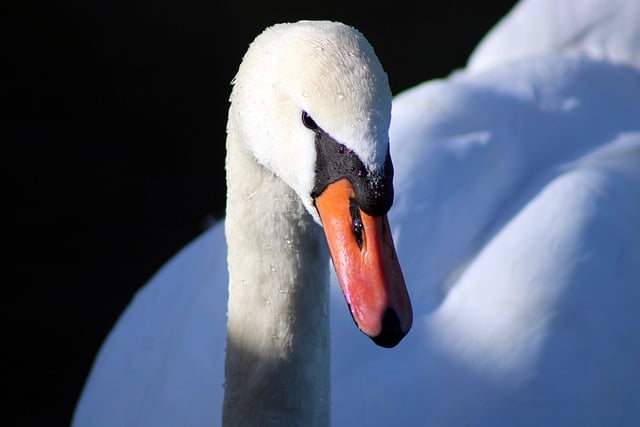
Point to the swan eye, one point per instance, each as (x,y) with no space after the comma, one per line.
(308,122)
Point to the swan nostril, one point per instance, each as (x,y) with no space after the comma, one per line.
(356,221)
(391,333)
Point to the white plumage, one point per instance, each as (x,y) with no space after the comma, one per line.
(517,224)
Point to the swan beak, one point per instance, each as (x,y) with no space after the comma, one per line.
(366,264)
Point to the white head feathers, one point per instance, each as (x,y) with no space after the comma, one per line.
(330,71)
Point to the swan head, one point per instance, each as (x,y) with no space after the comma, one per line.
(313,105)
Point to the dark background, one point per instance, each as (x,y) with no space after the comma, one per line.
(115,118)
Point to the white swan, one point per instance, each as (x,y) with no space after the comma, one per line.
(307,145)
(307,138)
(516,219)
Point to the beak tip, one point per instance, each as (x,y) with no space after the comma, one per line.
(388,340)
(392,331)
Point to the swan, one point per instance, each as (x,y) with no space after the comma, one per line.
(307,139)
(307,145)
(515,218)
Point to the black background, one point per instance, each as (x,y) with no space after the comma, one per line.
(114,122)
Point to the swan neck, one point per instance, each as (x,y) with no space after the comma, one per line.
(277,360)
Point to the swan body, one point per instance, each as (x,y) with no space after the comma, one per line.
(528,317)
(516,218)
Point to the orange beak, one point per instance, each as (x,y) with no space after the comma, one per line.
(366,264)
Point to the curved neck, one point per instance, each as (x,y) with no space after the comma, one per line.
(277,360)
